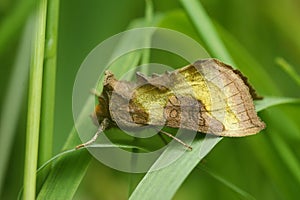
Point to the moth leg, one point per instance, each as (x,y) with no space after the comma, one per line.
(162,138)
(104,124)
(175,138)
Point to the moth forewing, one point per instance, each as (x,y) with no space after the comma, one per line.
(207,96)
(240,117)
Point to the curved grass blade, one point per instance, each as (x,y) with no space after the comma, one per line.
(289,69)
(66,152)
(231,186)
(287,155)
(263,148)
(61,175)
(150,187)
(273,101)
(173,176)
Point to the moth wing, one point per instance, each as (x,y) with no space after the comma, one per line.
(188,113)
(207,96)
(231,98)
(213,97)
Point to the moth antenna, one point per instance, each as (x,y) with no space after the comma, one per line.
(104,124)
(141,78)
(176,139)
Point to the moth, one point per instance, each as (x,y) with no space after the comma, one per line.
(207,96)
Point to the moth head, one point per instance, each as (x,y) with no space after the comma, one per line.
(101,111)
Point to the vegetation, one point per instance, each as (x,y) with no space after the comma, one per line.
(42,45)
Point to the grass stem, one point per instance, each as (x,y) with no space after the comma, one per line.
(34,102)
(49,78)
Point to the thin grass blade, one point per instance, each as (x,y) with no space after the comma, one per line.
(13,101)
(34,103)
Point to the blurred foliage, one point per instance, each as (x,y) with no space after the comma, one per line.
(255,32)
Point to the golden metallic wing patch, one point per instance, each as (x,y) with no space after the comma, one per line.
(207,96)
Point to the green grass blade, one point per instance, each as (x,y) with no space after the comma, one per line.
(172,176)
(207,30)
(279,14)
(262,148)
(150,187)
(231,186)
(48,97)
(257,74)
(66,173)
(287,155)
(67,152)
(145,59)
(34,103)
(62,175)
(166,181)
(69,171)
(14,22)
(271,164)
(283,150)
(148,22)
(13,100)
(289,69)
(273,101)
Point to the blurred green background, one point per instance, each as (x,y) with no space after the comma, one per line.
(257,30)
